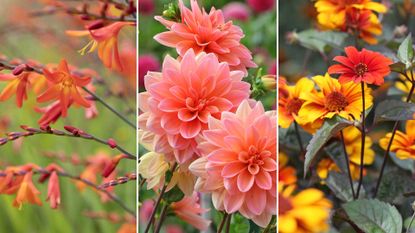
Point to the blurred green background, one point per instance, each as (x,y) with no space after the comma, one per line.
(43,39)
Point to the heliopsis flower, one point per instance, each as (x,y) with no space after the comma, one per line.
(403,142)
(289,102)
(64,87)
(153,167)
(27,192)
(364,23)
(344,100)
(238,162)
(404,85)
(189,210)
(361,66)
(20,84)
(332,13)
(180,99)
(306,212)
(207,33)
(105,38)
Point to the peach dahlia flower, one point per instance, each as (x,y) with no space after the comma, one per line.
(180,99)
(238,162)
(206,32)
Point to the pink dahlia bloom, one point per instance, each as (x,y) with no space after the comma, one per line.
(261,5)
(146,6)
(238,162)
(188,209)
(208,33)
(236,11)
(181,98)
(146,63)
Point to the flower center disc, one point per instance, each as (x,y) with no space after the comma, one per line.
(361,69)
(335,101)
(294,105)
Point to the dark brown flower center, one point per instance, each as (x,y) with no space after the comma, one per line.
(294,105)
(360,69)
(335,101)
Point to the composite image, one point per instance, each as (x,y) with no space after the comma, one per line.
(211,116)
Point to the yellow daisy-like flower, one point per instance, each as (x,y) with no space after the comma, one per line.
(344,100)
(404,85)
(332,13)
(403,143)
(305,212)
(289,101)
(286,174)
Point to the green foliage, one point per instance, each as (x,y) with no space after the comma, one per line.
(394,110)
(320,41)
(406,52)
(329,129)
(340,186)
(374,216)
(394,185)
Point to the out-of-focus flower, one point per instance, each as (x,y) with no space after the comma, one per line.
(261,5)
(306,212)
(153,168)
(236,11)
(238,162)
(332,13)
(174,229)
(146,63)
(105,38)
(184,179)
(146,209)
(188,209)
(361,66)
(286,174)
(273,68)
(403,143)
(146,7)
(289,102)
(334,98)
(179,101)
(128,228)
(65,87)
(208,33)
(27,192)
(365,24)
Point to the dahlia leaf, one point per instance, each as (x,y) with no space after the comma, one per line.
(406,51)
(374,216)
(394,110)
(329,129)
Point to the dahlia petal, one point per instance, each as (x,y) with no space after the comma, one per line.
(269,165)
(233,202)
(245,181)
(186,115)
(222,156)
(169,39)
(232,169)
(190,129)
(263,180)
(256,200)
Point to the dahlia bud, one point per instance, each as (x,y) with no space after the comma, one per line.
(269,81)
(172,12)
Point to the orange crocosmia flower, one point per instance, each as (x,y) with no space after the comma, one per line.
(65,87)
(361,66)
(19,84)
(27,192)
(403,143)
(106,40)
(54,193)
